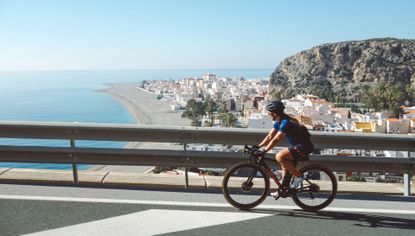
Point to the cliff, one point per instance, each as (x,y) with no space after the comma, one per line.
(341,69)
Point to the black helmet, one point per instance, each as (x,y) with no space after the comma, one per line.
(276,106)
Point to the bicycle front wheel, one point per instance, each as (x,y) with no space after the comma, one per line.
(245,186)
(317,190)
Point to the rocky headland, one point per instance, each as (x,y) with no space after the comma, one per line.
(341,69)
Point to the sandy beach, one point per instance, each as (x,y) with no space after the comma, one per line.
(147,110)
(144,106)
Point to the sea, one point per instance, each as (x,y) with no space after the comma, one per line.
(73,96)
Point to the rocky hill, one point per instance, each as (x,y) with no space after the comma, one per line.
(341,69)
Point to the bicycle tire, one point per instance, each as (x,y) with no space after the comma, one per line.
(232,193)
(297,195)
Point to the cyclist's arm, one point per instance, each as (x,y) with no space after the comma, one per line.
(274,141)
(268,138)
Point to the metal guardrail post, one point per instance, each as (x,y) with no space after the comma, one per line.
(407,181)
(407,185)
(74,166)
(186,174)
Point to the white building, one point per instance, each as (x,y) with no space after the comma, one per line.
(379,116)
(380,126)
(347,125)
(294,103)
(409,114)
(248,103)
(209,77)
(333,128)
(412,125)
(306,97)
(395,153)
(325,117)
(259,121)
(218,85)
(182,99)
(340,115)
(207,147)
(360,117)
(238,103)
(397,126)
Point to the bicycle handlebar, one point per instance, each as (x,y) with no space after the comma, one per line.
(253,150)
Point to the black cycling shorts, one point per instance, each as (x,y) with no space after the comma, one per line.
(300,152)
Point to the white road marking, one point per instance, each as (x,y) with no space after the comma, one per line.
(151,222)
(198,204)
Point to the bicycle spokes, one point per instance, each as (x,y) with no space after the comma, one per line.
(245,185)
(318,188)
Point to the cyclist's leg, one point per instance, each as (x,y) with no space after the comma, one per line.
(278,158)
(286,160)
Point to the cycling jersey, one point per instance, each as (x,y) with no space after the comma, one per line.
(299,138)
(293,132)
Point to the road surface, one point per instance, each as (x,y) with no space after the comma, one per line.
(46,210)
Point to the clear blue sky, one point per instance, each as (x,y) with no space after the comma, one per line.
(185,34)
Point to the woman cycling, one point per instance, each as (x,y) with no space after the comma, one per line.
(296,134)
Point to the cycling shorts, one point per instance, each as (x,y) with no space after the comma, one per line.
(301,152)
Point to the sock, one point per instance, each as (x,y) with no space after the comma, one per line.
(286,179)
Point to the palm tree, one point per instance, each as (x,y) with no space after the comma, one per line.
(210,107)
(228,119)
(410,90)
(384,97)
(194,111)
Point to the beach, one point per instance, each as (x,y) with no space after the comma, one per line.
(147,110)
(144,106)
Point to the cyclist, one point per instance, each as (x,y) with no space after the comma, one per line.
(296,134)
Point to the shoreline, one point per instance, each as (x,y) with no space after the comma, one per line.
(144,106)
(146,110)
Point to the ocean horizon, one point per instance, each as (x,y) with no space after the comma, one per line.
(74,96)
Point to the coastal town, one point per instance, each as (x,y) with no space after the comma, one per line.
(246,100)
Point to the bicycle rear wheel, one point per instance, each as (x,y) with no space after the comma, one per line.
(317,190)
(245,186)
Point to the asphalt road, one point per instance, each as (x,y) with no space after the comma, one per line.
(44,210)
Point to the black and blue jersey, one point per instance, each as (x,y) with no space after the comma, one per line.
(293,132)
(298,136)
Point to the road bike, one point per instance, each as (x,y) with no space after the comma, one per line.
(246,184)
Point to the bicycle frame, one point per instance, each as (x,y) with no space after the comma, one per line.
(260,162)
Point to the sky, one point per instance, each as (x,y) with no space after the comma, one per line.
(185,34)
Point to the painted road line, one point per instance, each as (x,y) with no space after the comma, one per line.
(125,201)
(198,204)
(152,222)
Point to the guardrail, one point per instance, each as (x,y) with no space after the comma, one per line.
(189,135)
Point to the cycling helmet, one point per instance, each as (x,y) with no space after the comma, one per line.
(276,106)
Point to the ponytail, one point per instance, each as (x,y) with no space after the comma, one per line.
(290,118)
